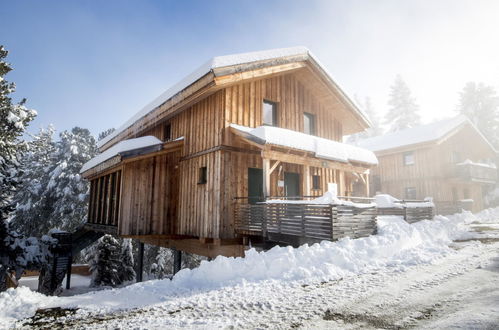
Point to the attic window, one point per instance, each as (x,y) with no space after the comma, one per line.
(203,175)
(308,123)
(269,113)
(409,158)
(167,133)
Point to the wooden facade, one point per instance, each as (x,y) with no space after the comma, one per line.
(439,169)
(163,199)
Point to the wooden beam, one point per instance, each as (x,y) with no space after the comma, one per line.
(315,162)
(306,180)
(224,79)
(277,162)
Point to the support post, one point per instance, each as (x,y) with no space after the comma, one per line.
(266,177)
(177,261)
(68,273)
(306,182)
(140,261)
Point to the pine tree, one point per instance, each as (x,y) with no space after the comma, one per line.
(14,117)
(65,185)
(34,206)
(105,263)
(480,104)
(127,272)
(403,112)
(105,133)
(373,117)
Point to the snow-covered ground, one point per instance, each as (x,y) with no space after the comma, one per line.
(432,274)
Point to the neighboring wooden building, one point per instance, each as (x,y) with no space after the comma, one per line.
(239,129)
(449,160)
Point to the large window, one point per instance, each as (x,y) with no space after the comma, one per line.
(409,158)
(269,113)
(410,193)
(308,123)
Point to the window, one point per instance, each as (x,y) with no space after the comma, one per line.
(308,123)
(456,157)
(466,193)
(316,182)
(167,133)
(409,158)
(203,175)
(269,113)
(410,193)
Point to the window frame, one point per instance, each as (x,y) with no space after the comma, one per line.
(316,185)
(404,158)
(275,107)
(312,121)
(203,175)
(167,128)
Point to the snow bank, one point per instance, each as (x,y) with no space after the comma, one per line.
(328,198)
(388,201)
(323,148)
(398,245)
(126,145)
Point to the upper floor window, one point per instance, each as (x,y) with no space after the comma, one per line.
(456,157)
(409,158)
(269,113)
(167,133)
(203,175)
(308,123)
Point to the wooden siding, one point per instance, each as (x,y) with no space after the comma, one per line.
(149,196)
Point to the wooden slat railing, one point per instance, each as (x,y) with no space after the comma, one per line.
(301,223)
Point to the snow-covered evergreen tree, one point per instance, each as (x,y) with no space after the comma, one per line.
(163,265)
(105,262)
(373,117)
(480,103)
(127,272)
(105,133)
(34,206)
(69,190)
(403,111)
(14,118)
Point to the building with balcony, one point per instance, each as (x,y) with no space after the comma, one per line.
(449,160)
(240,129)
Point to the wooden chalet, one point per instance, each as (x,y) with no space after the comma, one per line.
(449,160)
(240,129)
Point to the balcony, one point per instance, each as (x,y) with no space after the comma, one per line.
(476,172)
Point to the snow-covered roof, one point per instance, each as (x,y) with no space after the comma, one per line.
(323,148)
(220,62)
(421,134)
(120,147)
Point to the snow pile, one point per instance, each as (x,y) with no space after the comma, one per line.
(20,303)
(329,198)
(126,145)
(323,148)
(388,201)
(469,162)
(397,246)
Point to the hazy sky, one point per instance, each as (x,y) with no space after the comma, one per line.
(95,63)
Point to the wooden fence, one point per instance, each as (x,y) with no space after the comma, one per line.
(410,214)
(299,223)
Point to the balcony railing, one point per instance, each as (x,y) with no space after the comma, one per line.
(477,172)
(298,223)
